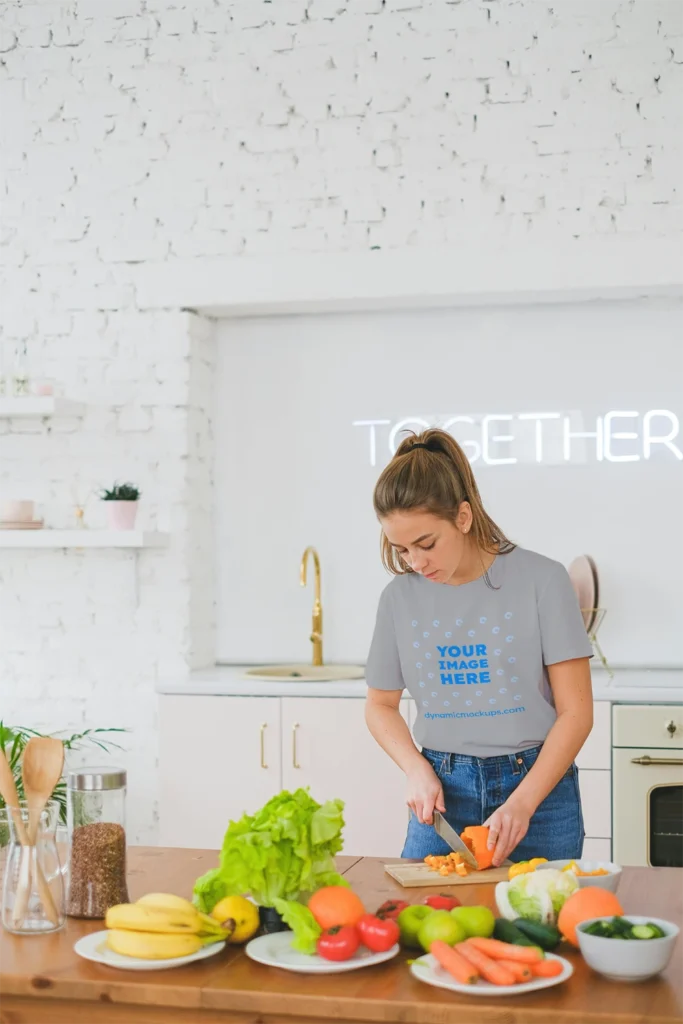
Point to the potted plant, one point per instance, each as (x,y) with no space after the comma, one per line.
(122,506)
(13,740)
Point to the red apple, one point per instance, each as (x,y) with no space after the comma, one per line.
(390,909)
(441,902)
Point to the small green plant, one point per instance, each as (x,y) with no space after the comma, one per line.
(13,740)
(120,492)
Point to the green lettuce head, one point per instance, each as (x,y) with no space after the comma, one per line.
(537,896)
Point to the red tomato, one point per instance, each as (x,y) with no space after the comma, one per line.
(391,909)
(441,902)
(339,943)
(378,934)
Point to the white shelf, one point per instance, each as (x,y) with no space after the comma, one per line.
(38,406)
(82,539)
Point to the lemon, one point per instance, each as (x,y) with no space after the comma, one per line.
(243,912)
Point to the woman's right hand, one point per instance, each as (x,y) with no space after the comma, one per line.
(425,793)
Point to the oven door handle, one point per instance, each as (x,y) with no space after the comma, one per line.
(646,759)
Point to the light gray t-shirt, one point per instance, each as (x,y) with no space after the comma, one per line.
(474,658)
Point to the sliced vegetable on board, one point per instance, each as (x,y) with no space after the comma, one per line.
(475,838)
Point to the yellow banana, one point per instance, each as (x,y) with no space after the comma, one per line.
(154,946)
(207,925)
(137,917)
(167,901)
(134,917)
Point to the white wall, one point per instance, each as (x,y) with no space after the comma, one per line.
(292,470)
(140,136)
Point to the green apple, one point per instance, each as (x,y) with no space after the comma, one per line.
(440,925)
(477,921)
(409,921)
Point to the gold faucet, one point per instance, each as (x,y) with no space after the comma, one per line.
(317,627)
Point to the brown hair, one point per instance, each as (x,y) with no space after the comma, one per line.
(437,478)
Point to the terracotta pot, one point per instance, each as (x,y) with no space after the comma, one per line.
(121,514)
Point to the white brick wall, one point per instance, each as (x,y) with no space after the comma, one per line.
(151,131)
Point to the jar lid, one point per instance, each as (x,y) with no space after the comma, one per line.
(93,779)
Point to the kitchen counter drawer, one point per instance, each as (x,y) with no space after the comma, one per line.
(648,725)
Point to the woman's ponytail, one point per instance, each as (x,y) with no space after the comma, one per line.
(430,472)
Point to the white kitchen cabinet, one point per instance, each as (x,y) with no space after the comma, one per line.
(327,746)
(219,757)
(596,801)
(597,750)
(597,849)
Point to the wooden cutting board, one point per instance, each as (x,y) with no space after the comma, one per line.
(411,876)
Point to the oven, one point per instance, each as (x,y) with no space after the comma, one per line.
(647,784)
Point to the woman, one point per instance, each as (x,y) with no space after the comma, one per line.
(489,640)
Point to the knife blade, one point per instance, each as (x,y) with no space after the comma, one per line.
(456,844)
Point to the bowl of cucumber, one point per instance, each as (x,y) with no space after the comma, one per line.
(630,948)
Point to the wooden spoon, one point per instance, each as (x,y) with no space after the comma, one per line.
(41,768)
(8,790)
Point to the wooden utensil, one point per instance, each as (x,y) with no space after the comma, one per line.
(41,769)
(9,794)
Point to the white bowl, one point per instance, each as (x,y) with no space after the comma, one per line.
(609,882)
(628,959)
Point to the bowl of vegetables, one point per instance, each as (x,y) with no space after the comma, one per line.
(600,873)
(630,948)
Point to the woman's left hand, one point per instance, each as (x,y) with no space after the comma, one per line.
(507,827)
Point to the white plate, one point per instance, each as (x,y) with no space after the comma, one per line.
(93,947)
(275,950)
(427,969)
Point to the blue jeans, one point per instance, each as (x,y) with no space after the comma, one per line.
(474,787)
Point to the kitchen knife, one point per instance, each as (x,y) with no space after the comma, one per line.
(456,844)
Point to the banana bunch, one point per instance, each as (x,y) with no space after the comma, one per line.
(161,926)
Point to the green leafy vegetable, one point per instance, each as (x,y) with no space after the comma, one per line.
(306,929)
(538,896)
(283,851)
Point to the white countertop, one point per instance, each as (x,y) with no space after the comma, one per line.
(629,685)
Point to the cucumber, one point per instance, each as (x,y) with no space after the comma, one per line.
(544,935)
(646,931)
(506,931)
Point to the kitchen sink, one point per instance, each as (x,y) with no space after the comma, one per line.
(306,673)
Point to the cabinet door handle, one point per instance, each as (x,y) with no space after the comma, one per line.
(264,726)
(295,762)
(646,759)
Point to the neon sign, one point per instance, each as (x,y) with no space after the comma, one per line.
(499,439)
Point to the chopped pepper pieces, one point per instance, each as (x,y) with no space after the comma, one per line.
(524,867)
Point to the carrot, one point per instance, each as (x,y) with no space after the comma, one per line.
(546,969)
(457,966)
(521,972)
(490,970)
(506,951)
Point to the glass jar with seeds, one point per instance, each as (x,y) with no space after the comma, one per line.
(96,812)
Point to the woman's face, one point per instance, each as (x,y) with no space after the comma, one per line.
(430,546)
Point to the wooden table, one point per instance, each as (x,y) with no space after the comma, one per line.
(42,979)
